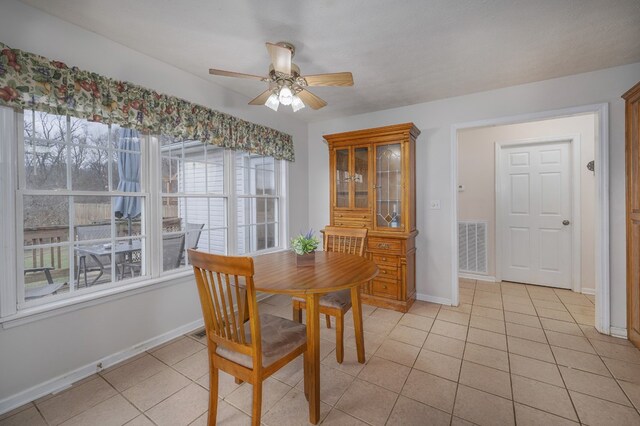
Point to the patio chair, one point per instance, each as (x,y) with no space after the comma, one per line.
(194,230)
(92,263)
(337,303)
(172,252)
(50,288)
(193,235)
(250,351)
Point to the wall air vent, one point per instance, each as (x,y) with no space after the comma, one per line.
(472,247)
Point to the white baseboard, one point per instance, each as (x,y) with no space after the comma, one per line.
(433,299)
(59,383)
(477,277)
(589,291)
(618,332)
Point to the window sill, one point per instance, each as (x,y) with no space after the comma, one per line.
(37,313)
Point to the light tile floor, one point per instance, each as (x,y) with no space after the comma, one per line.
(508,354)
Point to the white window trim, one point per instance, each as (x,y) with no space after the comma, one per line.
(11,316)
(8,183)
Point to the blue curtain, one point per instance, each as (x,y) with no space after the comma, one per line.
(129,174)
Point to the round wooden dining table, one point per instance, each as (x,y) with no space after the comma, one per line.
(278,273)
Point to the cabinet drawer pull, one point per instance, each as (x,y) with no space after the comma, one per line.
(384,246)
(364,216)
(384,259)
(384,286)
(384,272)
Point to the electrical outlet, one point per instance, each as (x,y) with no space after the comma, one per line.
(435,204)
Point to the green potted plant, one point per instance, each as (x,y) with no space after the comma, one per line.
(304,246)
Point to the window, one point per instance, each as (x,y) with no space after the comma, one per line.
(257,202)
(194,200)
(85,201)
(68,187)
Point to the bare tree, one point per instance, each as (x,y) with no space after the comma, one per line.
(58,148)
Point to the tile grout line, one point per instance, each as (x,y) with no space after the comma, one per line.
(615,379)
(39,412)
(555,362)
(513,397)
(573,405)
(455,398)
(410,370)
(583,335)
(603,362)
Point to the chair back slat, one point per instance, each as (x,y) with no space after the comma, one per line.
(227,296)
(223,307)
(234,324)
(242,310)
(217,318)
(345,240)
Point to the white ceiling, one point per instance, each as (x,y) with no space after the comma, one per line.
(400,52)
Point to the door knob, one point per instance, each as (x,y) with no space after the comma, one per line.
(566,222)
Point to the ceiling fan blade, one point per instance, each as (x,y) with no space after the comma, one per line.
(261,98)
(280,58)
(334,79)
(311,100)
(236,74)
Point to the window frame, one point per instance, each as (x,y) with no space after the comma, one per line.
(224,195)
(15,310)
(278,183)
(70,245)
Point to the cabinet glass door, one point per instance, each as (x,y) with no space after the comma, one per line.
(361,177)
(342,178)
(389,186)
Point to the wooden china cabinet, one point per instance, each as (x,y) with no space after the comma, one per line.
(373,185)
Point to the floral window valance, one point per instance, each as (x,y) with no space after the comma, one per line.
(32,81)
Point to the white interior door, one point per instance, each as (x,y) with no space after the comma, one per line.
(534,201)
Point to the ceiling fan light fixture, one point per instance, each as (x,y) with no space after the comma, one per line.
(273,102)
(296,103)
(286,84)
(286,96)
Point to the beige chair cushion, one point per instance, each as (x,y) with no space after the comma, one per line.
(337,299)
(279,337)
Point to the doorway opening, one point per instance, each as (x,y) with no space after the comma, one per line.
(531,211)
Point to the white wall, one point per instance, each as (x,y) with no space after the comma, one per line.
(476,171)
(433,162)
(34,353)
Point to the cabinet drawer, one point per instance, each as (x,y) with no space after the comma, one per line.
(385,259)
(384,245)
(387,273)
(352,216)
(384,289)
(351,223)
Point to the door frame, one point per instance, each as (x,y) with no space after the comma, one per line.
(576,217)
(601,111)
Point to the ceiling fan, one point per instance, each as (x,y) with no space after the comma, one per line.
(286,85)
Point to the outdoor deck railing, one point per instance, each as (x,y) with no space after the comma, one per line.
(53,257)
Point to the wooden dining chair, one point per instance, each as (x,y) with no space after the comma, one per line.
(336,304)
(250,351)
